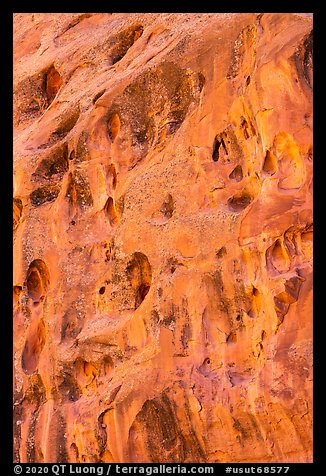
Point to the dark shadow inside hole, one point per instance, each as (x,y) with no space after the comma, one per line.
(141,294)
(216,153)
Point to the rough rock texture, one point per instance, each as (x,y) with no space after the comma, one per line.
(163,237)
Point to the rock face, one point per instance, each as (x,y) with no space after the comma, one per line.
(163,237)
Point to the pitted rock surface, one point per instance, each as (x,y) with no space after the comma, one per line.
(163,237)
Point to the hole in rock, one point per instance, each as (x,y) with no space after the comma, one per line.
(35,393)
(31,98)
(17,211)
(236,174)
(69,389)
(168,206)
(74,452)
(255,291)
(221,252)
(106,366)
(252,313)
(102,290)
(37,280)
(124,41)
(34,285)
(76,21)
(112,173)
(67,124)
(55,164)
(141,294)
(240,201)
(113,126)
(270,163)
(292,287)
(18,289)
(52,82)
(216,148)
(218,142)
(289,242)
(114,393)
(304,59)
(155,316)
(245,127)
(172,264)
(150,36)
(231,338)
(78,190)
(238,318)
(72,323)
(139,273)
(248,81)
(98,95)
(101,426)
(281,307)
(108,247)
(149,59)
(205,367)
(18,203)
(32,350)
(160,96)
(201,81)
(277,255)
(72,155)
(44,194)
(111,212)
(165,436)
(307,236)
(308,58)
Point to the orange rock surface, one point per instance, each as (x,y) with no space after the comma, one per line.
(163,237)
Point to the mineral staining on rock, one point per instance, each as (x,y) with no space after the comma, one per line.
(163,237)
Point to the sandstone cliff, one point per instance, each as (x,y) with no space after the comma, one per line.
(163,237)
